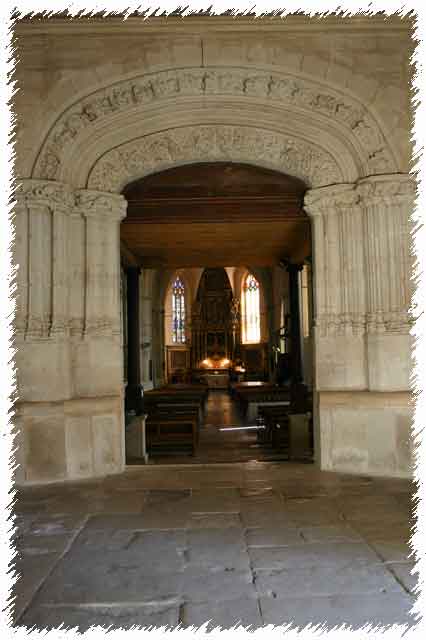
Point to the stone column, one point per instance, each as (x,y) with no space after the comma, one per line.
(94,420)
(339,287)
(99,347)
(388,202)
(43,358)
(295,347)
(134,392)
(42,213)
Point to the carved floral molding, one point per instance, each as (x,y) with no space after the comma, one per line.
(208,143)
(149,90)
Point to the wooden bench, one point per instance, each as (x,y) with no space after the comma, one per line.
(178,412)
(276,420)
(290,426)
(167,433)
(180,395)
(251,399)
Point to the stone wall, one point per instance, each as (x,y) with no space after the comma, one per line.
(326,101)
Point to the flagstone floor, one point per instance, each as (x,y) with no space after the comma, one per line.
(251,543)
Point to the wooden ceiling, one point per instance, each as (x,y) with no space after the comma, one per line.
(215,214)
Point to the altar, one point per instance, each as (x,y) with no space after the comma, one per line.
(216,379)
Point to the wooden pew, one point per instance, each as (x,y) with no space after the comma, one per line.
(177,394)
(169,432)
(252,398)
(276,420)
(280,421)
(180,412)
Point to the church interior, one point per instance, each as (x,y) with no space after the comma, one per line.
(213,327)
(232,343)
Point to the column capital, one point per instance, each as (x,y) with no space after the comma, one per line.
(331,199)
(44,193)
(396,188)
(101,204)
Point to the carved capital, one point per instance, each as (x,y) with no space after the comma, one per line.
(398,188)
(99,204)
(329,200)
(44,193)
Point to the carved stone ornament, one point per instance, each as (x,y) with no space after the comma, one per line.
(51,194)
(339,324)
(44,193)
(148,90)
(393,189)
(94,203)
(208,143)
(330,199)
(398,188)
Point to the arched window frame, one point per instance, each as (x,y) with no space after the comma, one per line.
(178,311)
(250,310)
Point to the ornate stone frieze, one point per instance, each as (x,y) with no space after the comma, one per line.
(209,143)
(147,90)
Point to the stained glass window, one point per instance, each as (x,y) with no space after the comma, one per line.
(250,310)
(178,298)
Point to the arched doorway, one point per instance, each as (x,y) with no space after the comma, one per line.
(205,229)
(98,144)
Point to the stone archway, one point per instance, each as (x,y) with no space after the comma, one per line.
(71,417)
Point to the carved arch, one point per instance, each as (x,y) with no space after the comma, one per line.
(140,97)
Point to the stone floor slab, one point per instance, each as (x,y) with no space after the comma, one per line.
(112,577)
(214,520)
(335,556)
(403,574)
(243,612)
(117,616)
(330,533)
(273,537)
(32,572)
(324,581)
(356,611)
(205,537)
(57,524)
(392,550)
(203,586)
(217,557)
(32,544)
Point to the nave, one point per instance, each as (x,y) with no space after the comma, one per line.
(217,442)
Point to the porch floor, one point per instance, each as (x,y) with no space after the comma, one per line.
(260,543)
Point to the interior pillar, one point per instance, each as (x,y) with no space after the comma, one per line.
(361,326)
(295,350)
(134,390)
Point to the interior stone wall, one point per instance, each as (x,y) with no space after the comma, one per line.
(114,101)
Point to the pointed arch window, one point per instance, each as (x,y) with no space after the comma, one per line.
(178,308)
(250,308)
